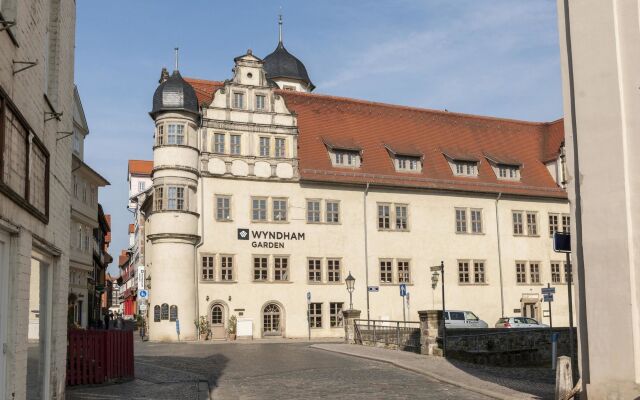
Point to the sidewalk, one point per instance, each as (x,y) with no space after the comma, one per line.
(496,382)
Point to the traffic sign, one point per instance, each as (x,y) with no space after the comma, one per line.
(143,306)
(373,288)
(548,290)
(403,289)
(547,298)
(178,326)
(143,294)
(436,268)
(562,242)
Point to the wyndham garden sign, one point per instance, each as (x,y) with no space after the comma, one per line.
(269,239)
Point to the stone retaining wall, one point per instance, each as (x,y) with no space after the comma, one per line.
(497,346)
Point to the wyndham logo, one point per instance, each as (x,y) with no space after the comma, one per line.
(243,234)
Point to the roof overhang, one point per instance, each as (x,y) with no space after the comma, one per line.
(78,164)
(338,144)
(404,151)
(503,160)
(458,155)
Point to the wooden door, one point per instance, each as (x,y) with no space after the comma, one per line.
(217,322)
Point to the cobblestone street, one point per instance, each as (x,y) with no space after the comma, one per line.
(265,371)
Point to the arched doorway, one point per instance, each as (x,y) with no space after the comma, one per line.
(272,320)
(217,318)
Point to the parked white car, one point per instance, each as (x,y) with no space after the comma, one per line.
(463,319)
(519,322)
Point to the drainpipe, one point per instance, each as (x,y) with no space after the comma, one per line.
(499,256)
(366,248)
(201,241)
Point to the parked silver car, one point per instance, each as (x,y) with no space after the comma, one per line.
(519,322)
(463,319)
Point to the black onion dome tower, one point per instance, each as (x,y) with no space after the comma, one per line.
(174,94)
(281,64)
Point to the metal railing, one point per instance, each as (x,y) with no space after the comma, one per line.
(400,335)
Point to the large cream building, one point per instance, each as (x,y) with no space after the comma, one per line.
(264,192)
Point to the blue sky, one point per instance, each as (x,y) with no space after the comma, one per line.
(498,58)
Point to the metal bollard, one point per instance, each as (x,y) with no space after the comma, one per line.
(554,349)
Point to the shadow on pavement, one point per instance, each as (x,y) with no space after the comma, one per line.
(159,369)
(539,382)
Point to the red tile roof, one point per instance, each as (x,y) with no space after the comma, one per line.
(371,125)
(374,128)
(204,89)
(140,167)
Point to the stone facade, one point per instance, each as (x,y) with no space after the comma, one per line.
(34,228)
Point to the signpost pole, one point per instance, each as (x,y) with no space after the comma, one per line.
(570,298)
(404,316)
(308,315)
(550,318)
(444,323)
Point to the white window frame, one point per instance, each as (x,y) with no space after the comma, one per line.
(332,216)
(314,215)
(314,270)
(280,209)
(235,148)
(281,266)
(262,211)
(219,142)
(227,268)
(237,100)
(223,211)
(264,146)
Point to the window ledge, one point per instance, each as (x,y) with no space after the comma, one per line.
(217,281)
(224,220)
(473,284)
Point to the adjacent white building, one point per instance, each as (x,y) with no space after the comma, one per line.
(265,193)
(36,119)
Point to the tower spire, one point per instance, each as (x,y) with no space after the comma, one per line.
(280,28)
(176,51)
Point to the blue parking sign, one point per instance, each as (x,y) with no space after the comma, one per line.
(403,289)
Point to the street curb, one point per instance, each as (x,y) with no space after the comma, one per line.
(488,393)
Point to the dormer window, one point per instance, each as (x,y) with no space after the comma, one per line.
(343,153)
(462,164)
(505,168)
(466,168)
(405,158)
(344,158)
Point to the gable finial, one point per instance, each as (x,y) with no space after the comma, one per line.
(176,50)
(280,26)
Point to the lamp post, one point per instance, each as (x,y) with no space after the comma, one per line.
(434,283)
(350,281)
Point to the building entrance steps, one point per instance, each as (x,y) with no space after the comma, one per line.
(495,382)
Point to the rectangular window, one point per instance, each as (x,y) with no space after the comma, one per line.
(315,315)
(566,223)
(553,224)
(521,272)
(281,148)
(175,134)
(313,210)
(404,274)
(532,223)
(160,135)
(476,221)
(218,142)
(175,198)
(265,147)
(333,212)
(465,168)
(208,269)
(534,272)
(158,197)
(333,270)
(280,210)
(141,186)
(260,268)
(386,271)
(226,268)
(461,220)
(259,210)
(335,314)
(260,102)
(555,273)
(518,228)
(407,163)
(402,217)
(223,208)
(236,144)
(281,268)
(463,272)
(384,217)
(478,272)
(315,270)
(238,100)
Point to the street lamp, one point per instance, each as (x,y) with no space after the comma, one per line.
(350,281)
(434,279)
